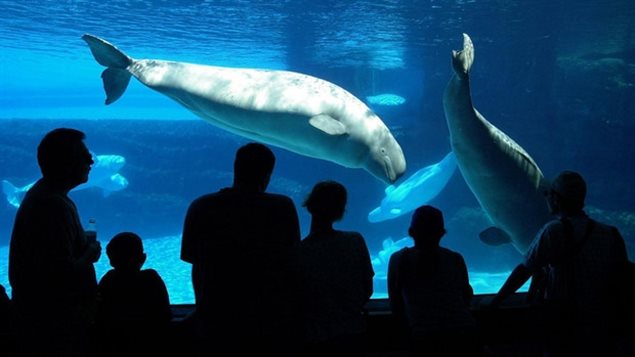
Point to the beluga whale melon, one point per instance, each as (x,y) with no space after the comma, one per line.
(506,181)
(294,111)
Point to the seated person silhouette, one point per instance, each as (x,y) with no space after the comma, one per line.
(430,293)
(134,307)
(337,277)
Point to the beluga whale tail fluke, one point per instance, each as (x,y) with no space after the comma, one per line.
(462,60)
(506,181)
(115,77)
(294,111)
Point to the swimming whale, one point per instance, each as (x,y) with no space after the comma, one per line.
(417,190)
(506,181)
(294,111)
(104,174)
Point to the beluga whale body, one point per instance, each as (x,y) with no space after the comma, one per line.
(104,174)
(297,112)
(417,190)
(506,181)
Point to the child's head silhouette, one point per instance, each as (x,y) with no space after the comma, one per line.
(125,251)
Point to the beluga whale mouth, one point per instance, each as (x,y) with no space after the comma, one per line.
(294,111)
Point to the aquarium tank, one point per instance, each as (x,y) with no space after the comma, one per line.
(557,77)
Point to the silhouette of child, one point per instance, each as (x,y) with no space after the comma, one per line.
(430,293)
(134,307)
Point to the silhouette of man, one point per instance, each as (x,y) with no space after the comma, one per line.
(582,258)
(242,245)
(50,260)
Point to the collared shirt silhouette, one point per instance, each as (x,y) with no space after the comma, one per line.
(242,242)
(50,260)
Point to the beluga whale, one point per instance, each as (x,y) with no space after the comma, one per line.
(417,190)
(104,174)
(294,111)
(506,181)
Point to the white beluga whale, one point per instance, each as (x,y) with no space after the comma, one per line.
(417,190)
(297,112)
(104,174)
(504,178)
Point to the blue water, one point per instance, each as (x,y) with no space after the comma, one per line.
(558,77)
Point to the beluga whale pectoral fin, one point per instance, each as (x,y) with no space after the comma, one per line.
(116,77)
(327,124)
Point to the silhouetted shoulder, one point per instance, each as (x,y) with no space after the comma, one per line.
(150,274)
(279,198)
(451,254)
(401,253)
(355,236)
(40,199)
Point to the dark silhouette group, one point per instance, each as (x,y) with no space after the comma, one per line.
(262,290)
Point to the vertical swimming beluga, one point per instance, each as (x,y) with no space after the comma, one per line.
(504,178)
(294,111)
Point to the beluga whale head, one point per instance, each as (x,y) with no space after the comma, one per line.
(385,158)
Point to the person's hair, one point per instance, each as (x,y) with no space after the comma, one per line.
(125,250)
(427,223)
(327,200)
(570,187)
(253,164)
(57,150)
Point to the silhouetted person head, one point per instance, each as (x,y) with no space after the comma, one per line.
(567,193)
(327,201)
(426,227)
(64,158)
(125,251)
(253,166)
